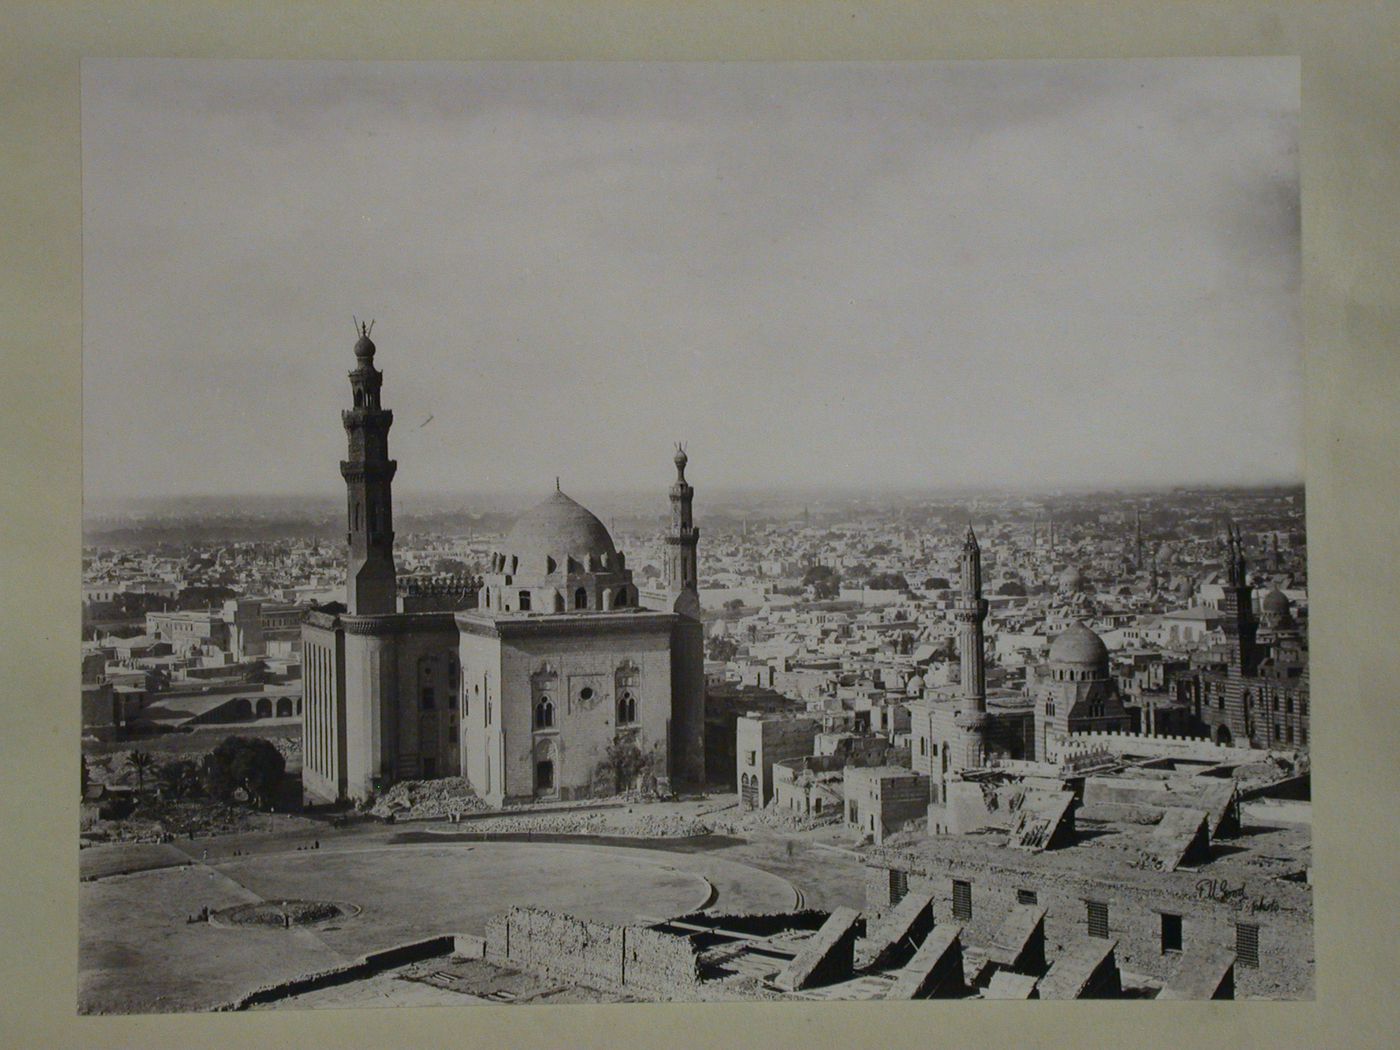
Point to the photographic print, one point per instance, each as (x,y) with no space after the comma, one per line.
(666,532)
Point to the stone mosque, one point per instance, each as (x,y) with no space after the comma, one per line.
(1073,692)
(556,678)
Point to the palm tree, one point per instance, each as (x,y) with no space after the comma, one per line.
(140,761)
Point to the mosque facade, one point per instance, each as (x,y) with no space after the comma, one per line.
(1255,693)
(1073,692)
(553,677)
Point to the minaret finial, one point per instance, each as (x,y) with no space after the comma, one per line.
(556,484)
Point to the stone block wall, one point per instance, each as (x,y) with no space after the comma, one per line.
(598,954)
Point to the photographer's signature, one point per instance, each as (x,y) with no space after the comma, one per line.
(1220,891)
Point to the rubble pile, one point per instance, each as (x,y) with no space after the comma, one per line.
(644,825)
(774,817)
(1269,769)
(160,822)
(289,746)
(418,799)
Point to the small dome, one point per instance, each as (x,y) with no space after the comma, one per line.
(680,458)
(915,685)
(557,528)
(364,348)
(1275,612)
(1080,646)
(1071,579)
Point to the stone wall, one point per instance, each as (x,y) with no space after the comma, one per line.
(365,967)
(1195,748)
(598,954)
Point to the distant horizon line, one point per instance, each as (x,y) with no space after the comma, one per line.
(843,489)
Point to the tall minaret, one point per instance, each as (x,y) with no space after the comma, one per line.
(969,613)
(682,597)
(1137,540)
(370,579)
(971,610)
(681,574)
(1240,626)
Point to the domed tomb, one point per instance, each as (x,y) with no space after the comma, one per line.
(555,530)
(558,557)
(1275,610)
(1078,653)
(1071,580)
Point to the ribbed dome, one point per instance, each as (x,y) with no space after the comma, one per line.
(1275,602)
(1080,646)
(558,528)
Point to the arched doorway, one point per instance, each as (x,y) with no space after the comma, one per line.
(748,791)
(264,708)
(284,707)
(1223,736)
(547,771)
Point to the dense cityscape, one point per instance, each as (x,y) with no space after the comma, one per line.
(801,531)
(1010,745)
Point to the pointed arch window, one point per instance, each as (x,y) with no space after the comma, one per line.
(627,708)
(544,713)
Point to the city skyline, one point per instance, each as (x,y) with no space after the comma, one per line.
(661,234)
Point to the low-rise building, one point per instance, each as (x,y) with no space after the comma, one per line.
(762,741)
(881,800)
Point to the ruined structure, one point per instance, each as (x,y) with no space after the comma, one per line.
(1146,858)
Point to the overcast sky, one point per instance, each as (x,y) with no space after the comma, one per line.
(915,275)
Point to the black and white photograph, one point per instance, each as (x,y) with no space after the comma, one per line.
(632,532)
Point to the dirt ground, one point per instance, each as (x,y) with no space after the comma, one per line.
(412,880)
(138,954)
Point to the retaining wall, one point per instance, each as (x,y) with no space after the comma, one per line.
(367,966)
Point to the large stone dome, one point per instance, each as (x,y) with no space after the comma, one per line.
(555,530)
(1078,646)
